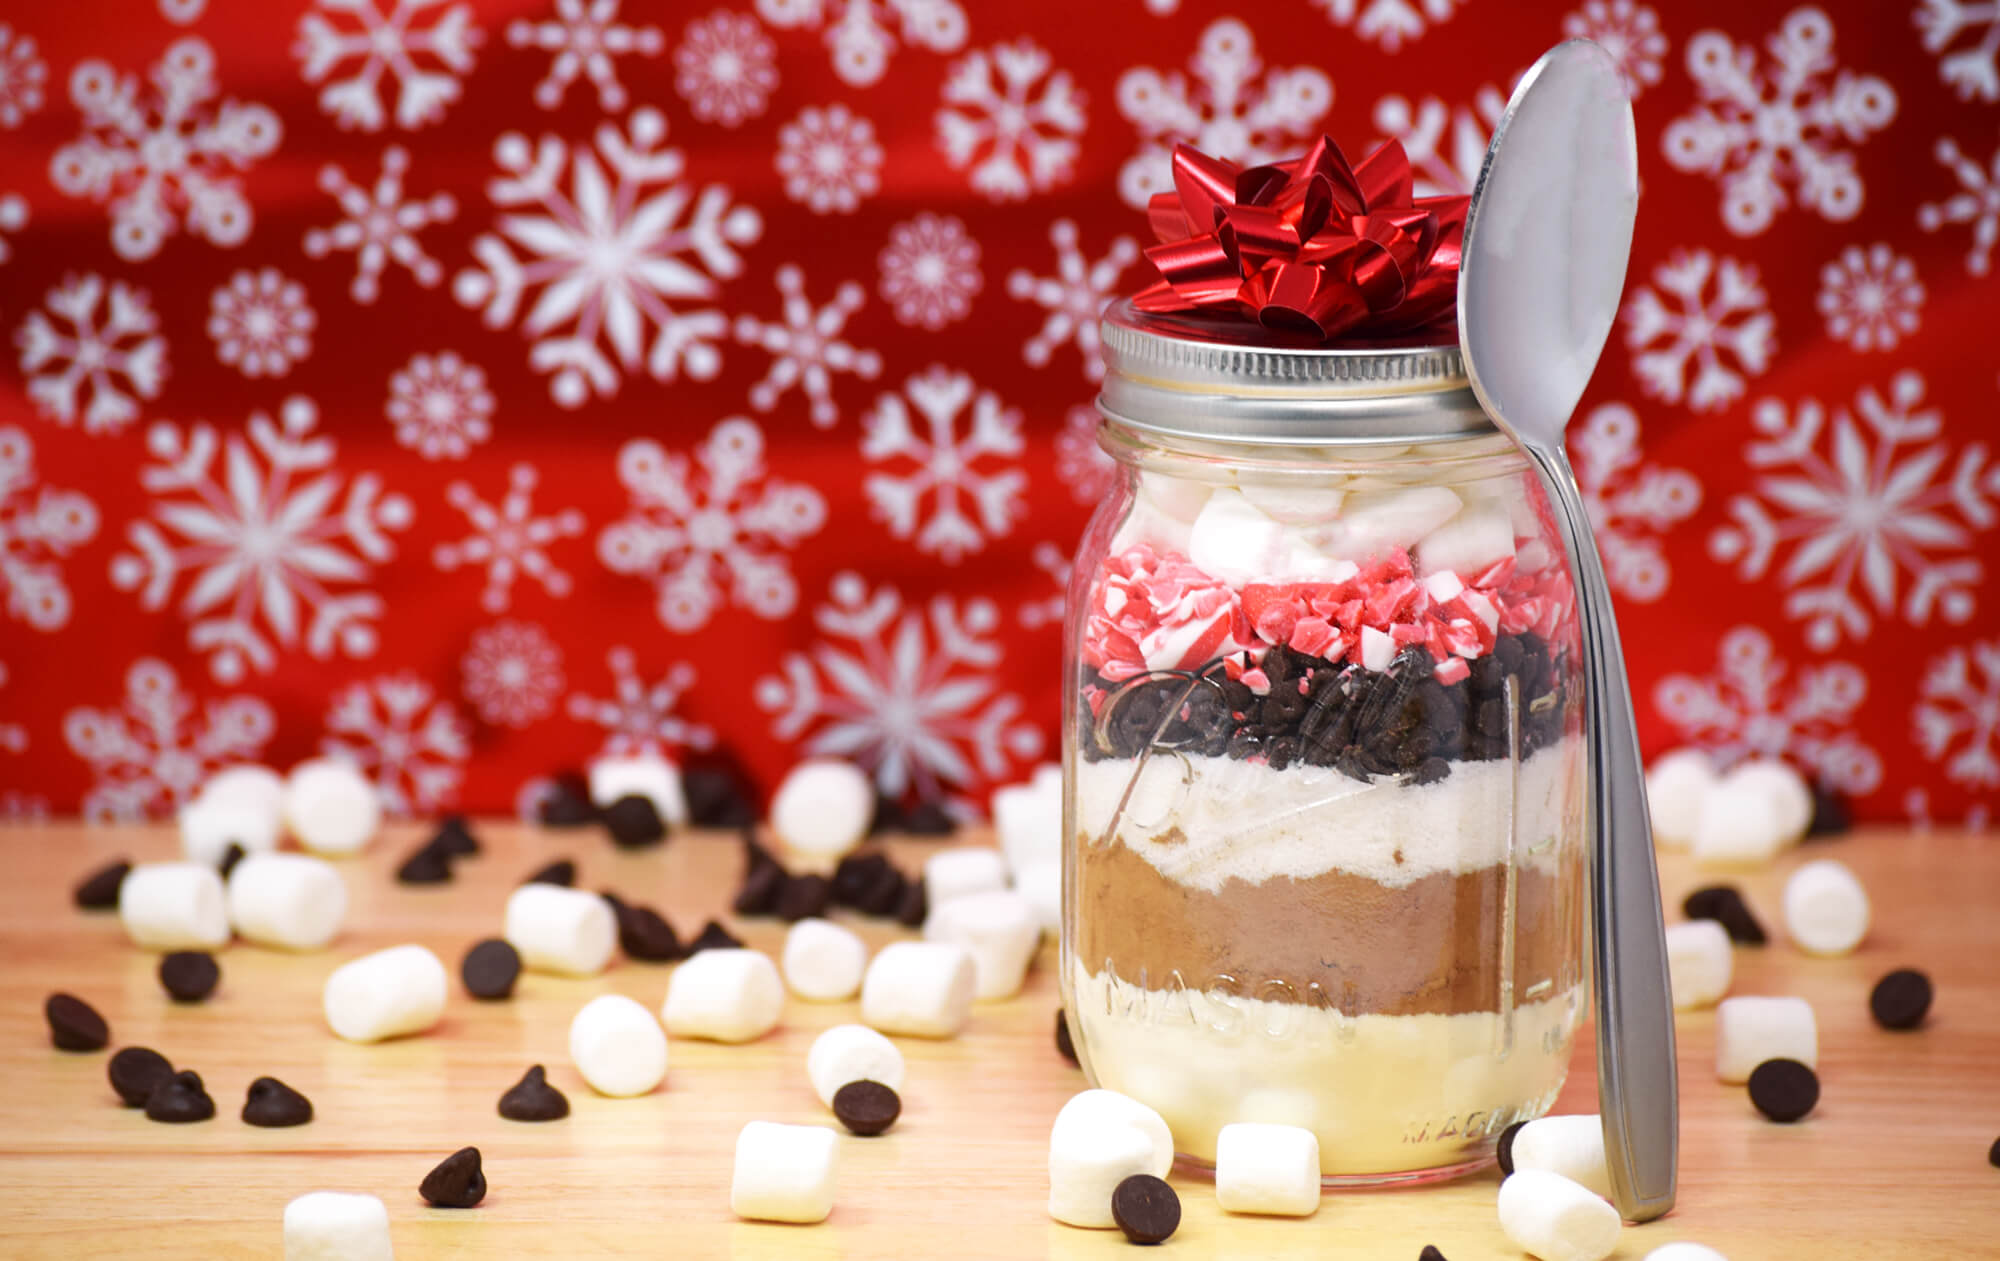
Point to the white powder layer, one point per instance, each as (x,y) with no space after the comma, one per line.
(1242,820)
(1387,1095)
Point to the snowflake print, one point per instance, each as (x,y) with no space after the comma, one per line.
(13,217)
(711,530)
(1081,464)
(261,323)
(152,752)
(397,731)
(1048,610)
(1977,203)
(183,12)
(508,539)
(1870,298)
(1860,516)
(1074,297)
(1748,707)
(36,533)
(1973,72)
(352,45)
(585,36)
(806,348)
(116,357)
(22,75)
(912,694)
(1917,809)
(163,156)
(512,674)
(1011,120)
(1723,330)
(440,406)
(1955,707)
(13,736)
(609,257)
(725,68)
(1226,113)
(858,30)
(639,719)
(1388,22)
(269,559)
(1446,144)
(1629,32)
(379,227)
(940,466)
(830,159)
(930,271)
(1629,502)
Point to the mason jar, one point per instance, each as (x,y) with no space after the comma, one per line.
(1324,856)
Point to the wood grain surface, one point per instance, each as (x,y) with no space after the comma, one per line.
(1893,1164)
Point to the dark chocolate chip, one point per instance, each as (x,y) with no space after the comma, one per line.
(490,969)
(1146,1208)
(533,1099)
(274,1105)
(566,805)
(856,874)
(1900,999)
(644,935)
(179,1099)
(230,857)
(429,864)
(457,1182)
(135,1072)
(1993,1154)
(454,838)
(716,797)
(1783,1090)
(633,821)
(1725,905)
(1829,813)
(1432,770)
(928,818)
(562,871)
(74,1025)
(1064,1047)
(888,816)
(189,975)
(866,1107)
(1503,1151)
(99,890)
(714,937)
(803,897)
(884,896)
(1430,1253)
(915,905)
(762,886)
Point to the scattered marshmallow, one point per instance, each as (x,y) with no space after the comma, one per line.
(848,1053)
(1269,1169)
(725,996)
(1572,1146)
(291,901)
(618,1046)
(174,906)
(1556,1219)
(921,989)
(1469,543)
(823,962)
(822,811)
(1685,1252)
(1677,784)
(963,869)
(649,776)
(331,806)
(999,928)
(1738,823)
(1048,777)
(337,1226)
(1826,909)
(1749,1031)
(1099,1139)
(1786,788)
(1028,820)
(784,1173)
(209,825)
(385,995)
(1041,884)
(1235,541)
(565,931)
(1700,963)
(257,786)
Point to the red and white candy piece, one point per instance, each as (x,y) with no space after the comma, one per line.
(821,811)
(1556,1219)
(1826,909)
(784,1173)
(1099,1139)
(724,996)
(1750,1030)
(174,906)
(1267,1169)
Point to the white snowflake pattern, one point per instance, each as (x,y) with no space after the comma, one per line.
(937,465)
(352,45)
(1388,22)
(725,68)
(151,752)
(183,12)
(23,74)
(1870,298)
(1858,514)
(13,736)
(640,719)
(857,31)
(1630,32)
(508,539)
(1708,314)
(512,674)
(584,37)
(1960,700)
(1974,72)
(269,559)
(1225,113)
(379,227)
(1748,706)
(806,346)
(117,358)
(1975,204)
(1049,609)
(912,694)
(1446,143)
(830,159)
(930,271)
(1917,809)
(261,322)
(1074,297)
(166,155)
(608,257)
(402,735)
(1011,120)
(13,217)
(36,532)
(440,406)
(1081,464)
(1630,502)
(711,529)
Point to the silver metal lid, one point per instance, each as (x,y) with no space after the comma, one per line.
(1212,377)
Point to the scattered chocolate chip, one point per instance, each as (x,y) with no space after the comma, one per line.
(884,896)
(716,797)
(633,821)
(429,864)
(562,871)
(856,875)
(1829,813)
(645,935)
(804,897)
(1993,1154)
(1146,1208)
(1783,1090)
(1725,905)
(533,1099)
(762,885)
(454,838)
(1430,1253)
(1503,1151)
(189,976)
(273,1105)
(566,805)
(928,818)
(457,1182)
(74,1025)
(179,1099)
(888,816)
(230,857)
(915,905)
(99,890)
(1064,1047)
(135,1072)
(714,937)
(866,1107)
(490,969)
(1900,999)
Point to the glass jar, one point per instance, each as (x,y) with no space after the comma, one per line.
(1324,859)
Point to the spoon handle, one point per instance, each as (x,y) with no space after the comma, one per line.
(1637,1089)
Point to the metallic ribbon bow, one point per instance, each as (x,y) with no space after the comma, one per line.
(1310,245)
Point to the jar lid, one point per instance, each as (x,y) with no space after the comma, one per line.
(1207,376)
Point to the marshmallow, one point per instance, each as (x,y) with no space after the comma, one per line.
(259,787)
(784,1173)
(1147,523)
(823,962)
(724,995)
(617,1046)
(1699,963)
(385,995)
(651,777)
(1048,777)
(922,989)
(822,811)
(1000,928)
(173,906)
(1738,823)
(1469,543)
(1555,1219)
(1235,542)
(1749,1031)
(209,825)
(1270,1169)
(1826,909)
(952,873)
(1572,1146)
(1177,497)
(1099,1139)
(1380,520)
(1028,820)
(848,1053)
(1676,786)
(1786,788)
(1041,884)
(331,806)
(336,1226)
(1308,504)
(556,929)
(291,901)
(1685,1252)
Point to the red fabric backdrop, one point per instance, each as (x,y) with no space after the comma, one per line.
(473,386)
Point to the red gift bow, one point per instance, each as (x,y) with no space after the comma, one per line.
(1312,244)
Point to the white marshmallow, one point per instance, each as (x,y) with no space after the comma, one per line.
(1555,1219)
(725,996)
(1749,1031)
(618,1046)
(1685,1252)
(1739,823)
(1379,520)
(955,872)
(1048,777)
(1786,788)
(258,786)
(337,1226)
(1677,785)
(565,931)
(331,806)
(848,1053)
(385,995)
(921,989)
(784,1173)
(824,962)
(173,906)
(1269,1169)
(651,777)
(1041,884)
(1099,1139)
(1826,909)
(209,825)
(1178,497)
(1147,523)
(1028,820)
(1294,504)
(1700,963)
(1000,928)
(1378,649)
(291,901)
(1235,542)
(1468,543)
(822,811)
(1572,1146)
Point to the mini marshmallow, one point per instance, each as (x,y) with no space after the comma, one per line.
(921,989)
(1269,1169)
(1028,820)
(1572,1146)
(209,825)
(823,962)
(1048,777)
(1738,823)
(385,995)
(784,1173)
(1749,1031)
(1786,788)
(822,811)
(1676,786)
(1826,909)
(1294,504)
(565,931)
(1041,884)
(1099,1139)
(651,777)
(955,872)
(1700,963)
(173,906)
(1469,543)
(290,901)
(337,1226)
(257,786)
(725,996)
(1178,497)
(1234,541)
(331,806)
(848,1053)
(1556,1219)
(1685,1252)
(617,1046)
(1380,520)
(1000,928)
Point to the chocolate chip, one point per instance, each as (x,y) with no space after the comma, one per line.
(762,885)
(274,1105)
(714,937)
(1900,999)
(1993,1154)
(1064,1047)
(866,1107)
(856,874)
(1723,904)
(490,969)
(1430,1253)
(1146,1208)
(915,905)
(633,821)
(1503,1151)
(135,1072)
(189,976)
(644,935)
(1432,770)
(230,857)
(884,896)
(533,1099)
(928,818)
(804,897)
(717,797)
(180,1099)
(99,890)
(562,871)
(454,838)
(1829,813)
(74,1025)
(1783,1090)
(566,805)
(457,1182)
(429,864)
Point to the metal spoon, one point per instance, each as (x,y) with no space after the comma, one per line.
(1546,245)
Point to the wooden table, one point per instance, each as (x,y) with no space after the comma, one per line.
(1893,1163)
